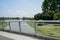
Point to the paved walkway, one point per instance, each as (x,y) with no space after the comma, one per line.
(11,36)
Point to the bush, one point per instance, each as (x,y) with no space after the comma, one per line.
(44,16)
(57,16)
(38,16)
(48,15)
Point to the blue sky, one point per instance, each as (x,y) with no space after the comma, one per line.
(20,8)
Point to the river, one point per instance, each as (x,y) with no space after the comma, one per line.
(25,27)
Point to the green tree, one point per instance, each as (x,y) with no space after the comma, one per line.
(50,10)
(53,5)
(38,16)
(48,15)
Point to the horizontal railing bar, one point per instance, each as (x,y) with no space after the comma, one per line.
(34,21)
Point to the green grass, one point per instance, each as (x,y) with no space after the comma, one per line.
(31,24)
(47,30)
(5,24)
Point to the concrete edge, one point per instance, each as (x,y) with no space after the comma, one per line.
(31,35)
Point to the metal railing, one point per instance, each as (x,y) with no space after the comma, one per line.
(35,23)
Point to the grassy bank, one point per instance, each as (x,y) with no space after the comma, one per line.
(51,30)
(4,24)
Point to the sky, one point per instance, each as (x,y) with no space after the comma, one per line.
(20,8)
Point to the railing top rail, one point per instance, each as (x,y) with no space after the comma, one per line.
(33,21)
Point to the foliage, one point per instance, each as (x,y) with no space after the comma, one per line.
(57,16)
(38,16)
(51,10)
(48,15)
(53,5)
(8,18)
(44,16)
(27,18)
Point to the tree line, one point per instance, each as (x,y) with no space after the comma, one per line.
(8,18)
(28,18)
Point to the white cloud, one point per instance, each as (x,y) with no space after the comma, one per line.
(22,13)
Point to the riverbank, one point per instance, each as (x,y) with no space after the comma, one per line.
(4,24)
(50,30)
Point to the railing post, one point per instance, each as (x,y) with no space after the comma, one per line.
(9,26)
(19,26)
(35,27)
(2,25)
